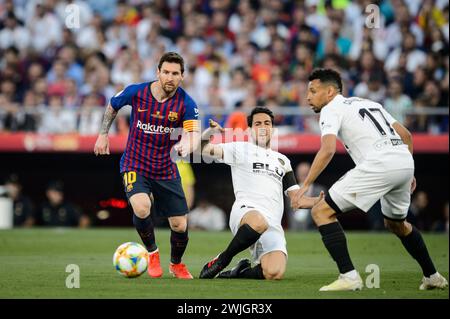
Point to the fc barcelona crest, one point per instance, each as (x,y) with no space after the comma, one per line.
(173,116)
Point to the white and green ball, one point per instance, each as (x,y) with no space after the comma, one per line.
(130,259)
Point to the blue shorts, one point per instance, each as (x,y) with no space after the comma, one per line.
(169,198)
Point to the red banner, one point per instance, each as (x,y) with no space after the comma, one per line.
(289,144)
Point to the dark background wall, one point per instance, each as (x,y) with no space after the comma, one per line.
(89,179)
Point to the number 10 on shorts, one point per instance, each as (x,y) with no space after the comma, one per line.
(128,179)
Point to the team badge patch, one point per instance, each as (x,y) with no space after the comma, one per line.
(129,188)
(281,161)
(173,116)
(157,115)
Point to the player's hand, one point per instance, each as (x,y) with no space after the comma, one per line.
(216,126)
(181,149)
(295,202)
(321,196)
(413,185)
(102,145)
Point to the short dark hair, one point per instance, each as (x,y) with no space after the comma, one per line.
(172,57)
(56,186)
(327,76)
(258,110)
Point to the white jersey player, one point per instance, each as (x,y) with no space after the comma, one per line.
(261,177)
(382,151)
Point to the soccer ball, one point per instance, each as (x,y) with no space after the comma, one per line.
(130,259)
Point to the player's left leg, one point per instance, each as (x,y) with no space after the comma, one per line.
(271,267)
(251,226)
(270,254)
(394,206)
(170,202)
(178,242)
(413,242)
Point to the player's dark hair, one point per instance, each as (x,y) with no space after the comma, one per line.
(328,76)
(171,57)
(258,110)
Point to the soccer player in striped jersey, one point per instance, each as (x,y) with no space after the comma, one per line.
(150,176)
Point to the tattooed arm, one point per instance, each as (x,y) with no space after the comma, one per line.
(102,144)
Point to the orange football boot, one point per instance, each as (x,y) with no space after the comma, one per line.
(154,265)
(180,271)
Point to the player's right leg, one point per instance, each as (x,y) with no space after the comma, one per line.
(334,239)
(137,190)
(251,226)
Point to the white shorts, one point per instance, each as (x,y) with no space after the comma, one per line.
(271,240)
(362,189)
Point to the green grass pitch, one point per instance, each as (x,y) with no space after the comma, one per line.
(33,265)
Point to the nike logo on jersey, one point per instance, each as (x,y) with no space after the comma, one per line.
(141,110)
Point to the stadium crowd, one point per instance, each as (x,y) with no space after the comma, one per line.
(61,61)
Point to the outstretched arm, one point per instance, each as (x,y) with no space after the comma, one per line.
(188,143)
(102,144)
(304,201)
(208,149)
(322,159)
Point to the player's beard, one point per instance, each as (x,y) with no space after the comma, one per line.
(316,108)
(169,89)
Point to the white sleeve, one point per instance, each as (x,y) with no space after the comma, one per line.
(287,165)
(229,153)
(388,116)
(330,120)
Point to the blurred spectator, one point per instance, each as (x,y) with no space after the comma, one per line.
(237,120)
(68,55)
(45,28)
(372,89)
(246,52)
(420,214)
(441,225)
(56,119)
(56,211)
(14,34)
(236,91)
(22,205)
(72,99)
(91,114)
(206,216)
(397,103)
(301,219)
(414,56)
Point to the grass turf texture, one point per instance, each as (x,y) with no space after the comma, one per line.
(33,265)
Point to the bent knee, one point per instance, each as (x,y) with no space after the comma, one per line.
(317,214)
(257,222)
(400,228)
(273,273)
(178,225)
(141,209)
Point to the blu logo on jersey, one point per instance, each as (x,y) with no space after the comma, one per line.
(262,166)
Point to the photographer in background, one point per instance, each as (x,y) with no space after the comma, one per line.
(22,206)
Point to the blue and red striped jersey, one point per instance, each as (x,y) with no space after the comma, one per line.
(151,125)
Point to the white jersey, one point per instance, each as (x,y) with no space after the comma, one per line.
(257,175)
(365,128)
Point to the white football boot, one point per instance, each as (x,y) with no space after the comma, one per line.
(434,281)
(344,283)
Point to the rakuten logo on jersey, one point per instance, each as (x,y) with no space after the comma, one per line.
(154,129)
